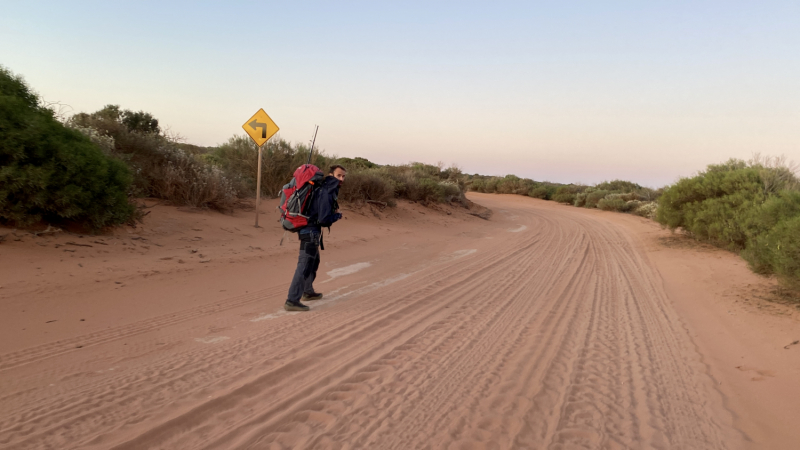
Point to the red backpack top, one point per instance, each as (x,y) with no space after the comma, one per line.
(297,195)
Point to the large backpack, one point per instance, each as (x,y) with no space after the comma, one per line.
(326,202)
(297,197)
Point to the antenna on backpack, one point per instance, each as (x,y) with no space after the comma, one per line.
(312,144)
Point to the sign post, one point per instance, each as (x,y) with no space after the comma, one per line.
(260,128)
(258,183)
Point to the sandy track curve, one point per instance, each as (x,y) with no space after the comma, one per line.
(544,328)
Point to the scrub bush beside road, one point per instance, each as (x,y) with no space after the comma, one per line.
(50,173)
(424,183)
(366,181)
(617,195)
(749,207)
(161,167)
(238,159)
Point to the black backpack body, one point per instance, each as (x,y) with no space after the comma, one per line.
(326,203)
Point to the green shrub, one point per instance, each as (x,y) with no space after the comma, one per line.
(356,163)
(491,185)
(593,197)
(777,251)
(542,192)
(713,205)
(761,222)
(52,173)
(749,207)
(477,185)
(614,204)
(618,186)
(580,199)
(568,193)
(784,244)
(512,184)
(425,190)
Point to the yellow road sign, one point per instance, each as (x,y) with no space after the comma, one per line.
(260,127)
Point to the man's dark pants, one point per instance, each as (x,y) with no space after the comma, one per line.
(307,265)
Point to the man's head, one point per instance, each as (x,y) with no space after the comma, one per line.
(339,172)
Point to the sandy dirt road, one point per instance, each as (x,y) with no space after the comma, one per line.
(546,327)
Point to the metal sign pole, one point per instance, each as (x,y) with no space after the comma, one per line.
(258,183)
(260,128)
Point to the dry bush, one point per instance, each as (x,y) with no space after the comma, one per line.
(619,202)
(568,193)
(160,168)
(777,173)
(426,183)
(367,185)
(646,209)
(238,159)
(613,204)
(416,182)
(593,197)
(185,180)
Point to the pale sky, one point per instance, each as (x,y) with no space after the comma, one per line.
(561,91)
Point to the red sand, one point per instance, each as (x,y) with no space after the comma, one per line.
(547,326)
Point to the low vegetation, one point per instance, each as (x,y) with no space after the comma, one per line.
(366,181)
(50,173)
(161,166)
(237,159)
(751,207)
(417,182)
(617,195)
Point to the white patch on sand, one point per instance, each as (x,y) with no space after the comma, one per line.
(274,315)
(509,214)
(462,253)
(359,291)
(517,230)
(342,271)
(212,339)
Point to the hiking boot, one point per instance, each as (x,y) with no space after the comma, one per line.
(312,296)
(292,306)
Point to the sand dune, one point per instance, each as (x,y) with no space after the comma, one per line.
(546,327)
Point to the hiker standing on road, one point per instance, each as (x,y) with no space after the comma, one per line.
(324,212)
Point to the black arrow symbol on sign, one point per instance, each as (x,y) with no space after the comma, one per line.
(255,124)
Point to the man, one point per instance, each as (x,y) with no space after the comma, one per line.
(324,212)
